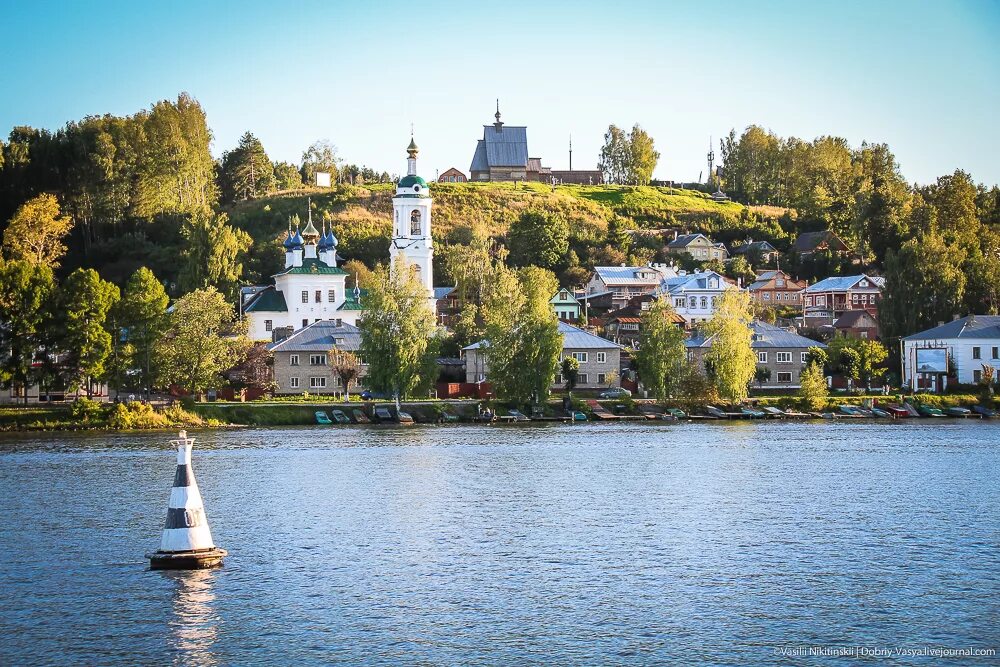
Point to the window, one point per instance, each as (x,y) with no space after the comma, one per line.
(767,296)
(996,352)
(762,357)
(679,303)
(580,356)
(293,360)
(558,379)
(977,376)
(415,223)
(977,353)
(317,360)
(809,301)
(293,383)
(331,296)
(784,377)
(821,301)
(305,321)
(693,303)
(602,357)
(319,296)
(863,335)
(305,296)
(704,302)
(805,357)
(269,325)
(602,378)
(784,357)
(582,378)
(317,383)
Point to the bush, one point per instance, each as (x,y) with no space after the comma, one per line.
(87,410)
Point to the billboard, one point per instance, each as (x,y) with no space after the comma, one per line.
(932,360)
(323,179)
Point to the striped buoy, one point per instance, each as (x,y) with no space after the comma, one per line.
(187,541)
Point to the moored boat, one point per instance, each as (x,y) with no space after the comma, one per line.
(898,412)
(984,411)
(321,418)
(360,417)
(404,417)
(928,411)
(340,417)
(958,412)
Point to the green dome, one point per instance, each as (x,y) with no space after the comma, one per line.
(410,181)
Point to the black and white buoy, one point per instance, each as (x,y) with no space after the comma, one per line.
(187,541)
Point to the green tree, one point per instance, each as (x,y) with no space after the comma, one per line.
(620,233)
(881,198)
(642,157)
(740,269)
(25,289)
(141,316)
(538,239)
(80,332)
(201,340)
(523,342)
(661,357)
(36,232)
(213,255)
(321,156)
(731,355)
(346,366)
(473,268)
(813,387)
(570,372)
(615,156)
(397,332)
(287,176)
(246,172)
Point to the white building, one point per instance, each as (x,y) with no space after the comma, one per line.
(694,295)
(964,346)
(311,287)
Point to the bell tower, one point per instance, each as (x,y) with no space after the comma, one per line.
(411,223)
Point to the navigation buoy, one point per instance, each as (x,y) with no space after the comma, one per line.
(187,541)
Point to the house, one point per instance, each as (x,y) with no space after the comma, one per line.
(502,155)
(960,348)
(694,295)
(827,300)
(303,362)
(809,243)
(776,288)
(625,282)
(452,175)
(599,359)
(782,353)
(624,326)
(447,305)
(697,246)
(568,308)
(857,324)
(312,286)
(756,251)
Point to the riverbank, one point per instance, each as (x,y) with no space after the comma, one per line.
(91,415)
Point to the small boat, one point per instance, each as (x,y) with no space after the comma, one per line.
(928,411)
(404,417)
(518,416)
(958,412)
(383,416)
(360,417)
(579,416)
(676,412)
(340,417)
(667,417)
(773,411)
(851,411)
(753,413)
(984,411)
(716,412)
(897,412)
(912,410)
(321,418)
(879,412)
(448,417)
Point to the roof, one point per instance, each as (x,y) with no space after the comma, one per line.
(442,292)
(313,266)
(626,275)
(696,280)
(574,338)
(807,241)
(853,319)
(765,277)
(268,300)
(570,297)
(627,320)
(765,336)
(321,336)
(503,147)
(350,303)
(686,240)
(762,246)
(843,283)
(410,180)
(970,326)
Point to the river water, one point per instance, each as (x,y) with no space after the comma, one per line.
(563,544)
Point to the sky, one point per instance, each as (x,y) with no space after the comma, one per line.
(923,77)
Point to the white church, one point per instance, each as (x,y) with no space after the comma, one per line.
(312,287)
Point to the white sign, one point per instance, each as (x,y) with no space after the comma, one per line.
(323,179)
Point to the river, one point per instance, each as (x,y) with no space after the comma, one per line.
(586,544)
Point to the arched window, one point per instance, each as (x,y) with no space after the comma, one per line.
(694,302)
(415,223)
(704,302)
(417,272)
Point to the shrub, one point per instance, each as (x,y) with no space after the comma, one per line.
(87,410)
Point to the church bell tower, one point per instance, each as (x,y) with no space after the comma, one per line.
(411,223)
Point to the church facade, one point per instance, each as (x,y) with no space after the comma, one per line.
(312,287)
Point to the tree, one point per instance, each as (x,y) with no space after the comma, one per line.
(358,273)
(287,176)
(397,332)
(570,371)
(256,371)
(36,232)
(661,356)
(538,239)
(642,157)
(246,172)
(347,367)
(761,375)
(201,340)
(620,231)
(25,289)
(740,269)
(523,342)
(142,316)
(615,156)
(731,355)
(859,359)
(321,156)
(79,327)
(213,254)
(813,387)
(473,268)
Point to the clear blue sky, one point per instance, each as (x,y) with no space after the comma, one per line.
(923,77)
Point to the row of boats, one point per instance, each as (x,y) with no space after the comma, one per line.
(380,415)
(903,410)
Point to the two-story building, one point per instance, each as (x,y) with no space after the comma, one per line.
(783,353)
(624,326)
(776,288)
(756,251)
(694,295)
(827,300)
(963,347)
(305,361)
(809,243)
(599,359)
(697,246)
(625,282)
(568,308)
